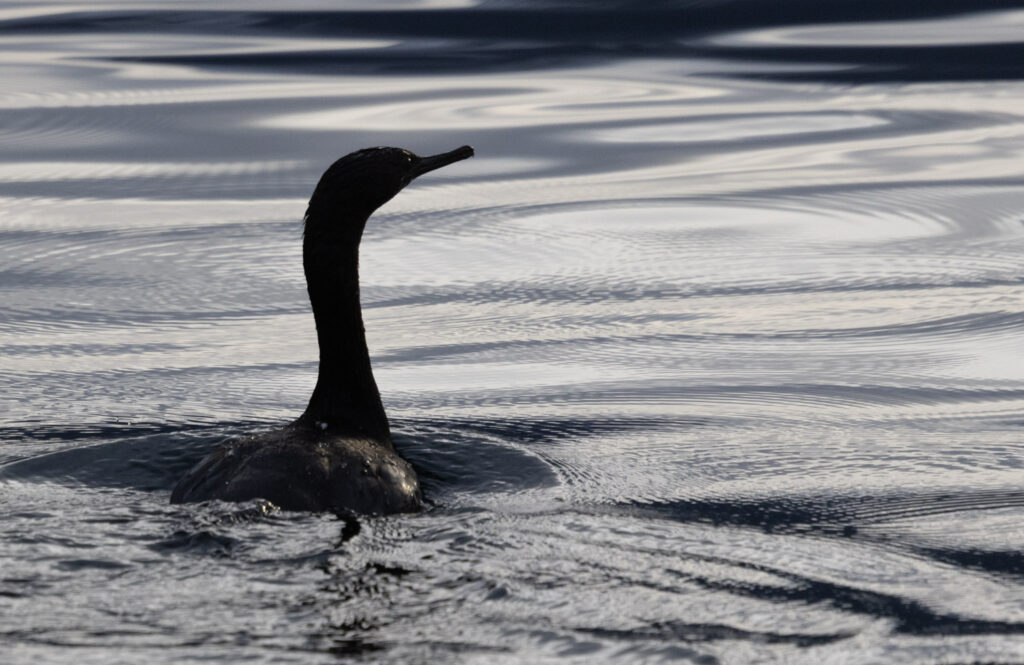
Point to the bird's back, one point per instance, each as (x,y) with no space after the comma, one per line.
(301,468)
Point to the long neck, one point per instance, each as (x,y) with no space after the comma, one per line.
(345,400)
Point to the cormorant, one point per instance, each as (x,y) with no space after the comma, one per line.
(338,455)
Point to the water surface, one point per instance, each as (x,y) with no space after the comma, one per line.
(712,354)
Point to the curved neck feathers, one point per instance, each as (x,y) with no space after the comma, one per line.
(346,398)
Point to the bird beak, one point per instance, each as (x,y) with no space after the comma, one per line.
(444,159)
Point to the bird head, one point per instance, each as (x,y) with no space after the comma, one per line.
(362,181)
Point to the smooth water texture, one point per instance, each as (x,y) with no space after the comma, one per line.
(713,354)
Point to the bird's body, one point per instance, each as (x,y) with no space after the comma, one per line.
(338,455)
(301,468)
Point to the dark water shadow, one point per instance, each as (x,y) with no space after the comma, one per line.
(557,22)
(830,515)
(506,36)
(885,64)
(896,64)
(998,563)
(908,616)
(701,632)
(843,518)
(453,459)
(849,518)
(39,431)
(147,457)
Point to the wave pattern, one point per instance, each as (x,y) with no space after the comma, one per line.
(711,354)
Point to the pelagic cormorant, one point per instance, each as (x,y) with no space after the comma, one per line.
(338,455)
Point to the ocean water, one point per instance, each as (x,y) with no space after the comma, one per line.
(712,354)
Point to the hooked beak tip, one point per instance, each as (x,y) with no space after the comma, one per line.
(427,164)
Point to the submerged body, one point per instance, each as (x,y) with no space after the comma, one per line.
(338,455)
(300,468)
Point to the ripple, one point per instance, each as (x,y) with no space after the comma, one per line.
(738,128)
(998,27)
(63,171)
